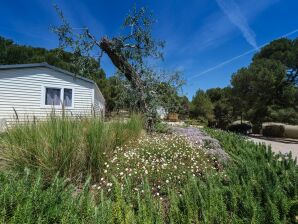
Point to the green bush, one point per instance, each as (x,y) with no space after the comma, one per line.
(273,131)
(240,128)
(161,127)
(26,198)
(260,187)
(256,128)
(75,148)
(196,122)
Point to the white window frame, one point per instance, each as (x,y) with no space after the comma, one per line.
(43,97)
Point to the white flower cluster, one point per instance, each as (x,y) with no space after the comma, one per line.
(163,160)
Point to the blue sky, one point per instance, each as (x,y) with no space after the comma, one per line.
(201,35)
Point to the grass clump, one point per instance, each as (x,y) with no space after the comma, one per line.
(75,148)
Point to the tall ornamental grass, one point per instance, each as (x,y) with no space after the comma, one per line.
(75,148)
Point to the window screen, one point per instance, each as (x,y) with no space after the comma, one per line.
(52,96)
(67,97)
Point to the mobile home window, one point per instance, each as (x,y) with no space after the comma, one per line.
(53,96)
(56,96)
(67,97)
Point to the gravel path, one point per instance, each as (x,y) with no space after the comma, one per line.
(283,145)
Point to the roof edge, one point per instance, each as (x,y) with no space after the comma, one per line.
(46,65)
(43,64)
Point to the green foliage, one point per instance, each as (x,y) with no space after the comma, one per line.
(243,128)
(263,87)
(11,53)
(193,122)
(285,51)
(201,107)
(273,131)
(267,87)
(184,107)
(261,187)
(284,115)
(266,90)
(25,198)
(171,101)
(161,90)
(161,127)
(223,106)
(76,148)
(257,186)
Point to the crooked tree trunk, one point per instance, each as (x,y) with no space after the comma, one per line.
(122,64)
(109,47)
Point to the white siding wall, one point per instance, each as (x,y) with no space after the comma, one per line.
(21,89)
(99,103)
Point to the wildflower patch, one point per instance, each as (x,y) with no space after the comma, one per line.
(165,161)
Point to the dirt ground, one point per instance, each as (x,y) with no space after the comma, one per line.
(283,145)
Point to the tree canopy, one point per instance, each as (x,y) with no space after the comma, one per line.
(268,86)
(12,53)
(286,52)
(201,107)
(266,90)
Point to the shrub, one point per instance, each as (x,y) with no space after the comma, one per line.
(260,187)
(161,127)
(26,199)
(243,128)
(195,122)
(75,148)
(256,128)
(273,131)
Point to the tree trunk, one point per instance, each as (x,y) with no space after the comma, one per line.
(122,64)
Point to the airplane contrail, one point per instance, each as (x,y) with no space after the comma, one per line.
(233,12)
(238,56)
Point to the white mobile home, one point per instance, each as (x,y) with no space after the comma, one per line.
(34,90)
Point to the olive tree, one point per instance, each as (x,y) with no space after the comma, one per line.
(130,52)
